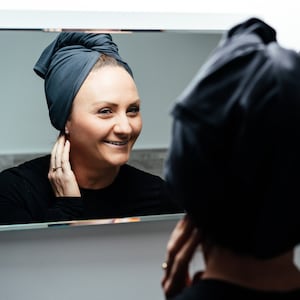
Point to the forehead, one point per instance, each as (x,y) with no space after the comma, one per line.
(108,83)
(109,77)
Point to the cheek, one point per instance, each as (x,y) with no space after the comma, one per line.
(87,130)
(137,126)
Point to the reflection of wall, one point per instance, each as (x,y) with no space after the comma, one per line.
(151,160)
(163,63)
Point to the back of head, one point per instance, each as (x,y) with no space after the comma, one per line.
(234,158)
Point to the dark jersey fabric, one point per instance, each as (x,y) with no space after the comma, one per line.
(26,196)
(210,289)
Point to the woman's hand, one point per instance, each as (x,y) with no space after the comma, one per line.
(60,174)
(181,247)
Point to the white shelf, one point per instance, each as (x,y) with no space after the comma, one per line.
(114,20)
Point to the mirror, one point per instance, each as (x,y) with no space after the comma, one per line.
(163,62)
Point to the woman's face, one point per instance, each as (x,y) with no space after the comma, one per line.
(105,120)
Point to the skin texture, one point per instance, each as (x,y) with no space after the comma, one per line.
(103,126)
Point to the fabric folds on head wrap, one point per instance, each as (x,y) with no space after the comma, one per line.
(65,64)
(234,158)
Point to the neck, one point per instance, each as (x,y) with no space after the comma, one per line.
(278,273)
(94,177)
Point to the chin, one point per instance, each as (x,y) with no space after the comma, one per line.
(119,161)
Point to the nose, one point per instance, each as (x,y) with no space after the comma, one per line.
(122,125)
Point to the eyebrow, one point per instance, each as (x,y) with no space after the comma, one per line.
(115,104)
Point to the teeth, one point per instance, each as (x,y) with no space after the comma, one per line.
(117,143)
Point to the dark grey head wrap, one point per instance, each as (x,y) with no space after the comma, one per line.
(234,158)
(65,64)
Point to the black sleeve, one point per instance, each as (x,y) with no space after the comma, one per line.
(31,201)
(12,204)
(66,208)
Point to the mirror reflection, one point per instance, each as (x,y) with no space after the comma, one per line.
(111,113)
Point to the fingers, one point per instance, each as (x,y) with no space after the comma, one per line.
(52,159)
(181,247)
(178,238)
(65,161)
(179,235)
(56,154)
(60,145)
(61,176)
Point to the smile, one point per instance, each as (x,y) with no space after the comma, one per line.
(117,143)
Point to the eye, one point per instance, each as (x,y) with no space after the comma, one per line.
(104,111)
(133,110)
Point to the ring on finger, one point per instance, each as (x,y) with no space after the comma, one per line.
(56,168)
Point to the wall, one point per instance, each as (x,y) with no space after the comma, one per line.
(116,261)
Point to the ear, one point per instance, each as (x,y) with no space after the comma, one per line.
(67,126)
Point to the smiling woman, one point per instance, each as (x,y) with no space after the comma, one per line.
(155,85)
(104,123)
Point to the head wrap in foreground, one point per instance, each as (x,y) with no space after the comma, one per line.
(234,159)
(65,64)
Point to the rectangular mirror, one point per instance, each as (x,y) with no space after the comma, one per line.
(163,62)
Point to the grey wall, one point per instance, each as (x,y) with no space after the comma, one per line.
(163,63)
(116,261)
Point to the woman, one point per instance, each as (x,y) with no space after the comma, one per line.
(234,166)
(94,103)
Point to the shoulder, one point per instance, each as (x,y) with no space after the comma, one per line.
(25,179)
(203,289)
(218,289)
(34,167)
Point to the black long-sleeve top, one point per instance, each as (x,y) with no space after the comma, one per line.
(26,196)
(214,289)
